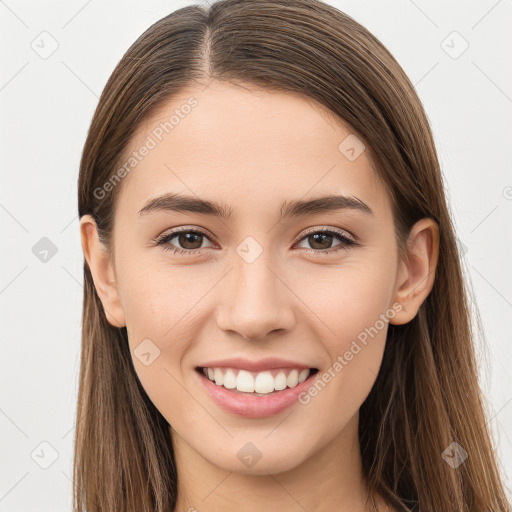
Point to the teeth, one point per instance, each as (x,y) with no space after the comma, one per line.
(219,378)
(229,380)
(293,379)
(256,382)
(244,382)
(303,375)
(264,383)
(280,381)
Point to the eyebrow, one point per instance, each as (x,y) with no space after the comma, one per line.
(296,208)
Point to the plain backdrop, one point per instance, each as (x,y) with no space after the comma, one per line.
(55,60)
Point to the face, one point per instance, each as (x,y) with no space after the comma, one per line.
(265,291)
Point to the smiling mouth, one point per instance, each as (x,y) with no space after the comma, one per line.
(262,383)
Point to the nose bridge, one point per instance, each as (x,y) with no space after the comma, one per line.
(255,301)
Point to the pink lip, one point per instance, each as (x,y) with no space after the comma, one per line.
(252,406)
(269,363)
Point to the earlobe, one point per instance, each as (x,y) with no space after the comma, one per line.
(416,274)
(101,266)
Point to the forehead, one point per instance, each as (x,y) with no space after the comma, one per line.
(246,146)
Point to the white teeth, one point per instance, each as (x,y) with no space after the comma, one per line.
(293,379)
(280,381)
(260,383)
(303,375)
(244,382)
(229,380)
(264,383)
(217,374)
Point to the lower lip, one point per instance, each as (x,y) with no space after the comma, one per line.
(252,406)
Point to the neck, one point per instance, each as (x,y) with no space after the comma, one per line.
(329,480)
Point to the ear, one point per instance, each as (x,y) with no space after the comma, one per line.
(102,270)
(416,274)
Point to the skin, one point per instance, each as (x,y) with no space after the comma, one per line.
(254,149)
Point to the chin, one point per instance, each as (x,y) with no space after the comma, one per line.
(273,464)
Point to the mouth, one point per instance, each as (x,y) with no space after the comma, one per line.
(256,383)
(255,394)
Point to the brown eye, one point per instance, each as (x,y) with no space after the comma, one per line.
(190,240)
(321,242)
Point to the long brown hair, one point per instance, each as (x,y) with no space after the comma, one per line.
(427,394)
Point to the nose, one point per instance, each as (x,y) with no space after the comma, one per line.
(255,299)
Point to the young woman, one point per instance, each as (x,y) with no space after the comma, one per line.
(275,316)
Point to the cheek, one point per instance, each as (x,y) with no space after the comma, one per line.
(357,315)
(160,324)
(352,306)
(161,306)
(347,300)
(155,297)
(355,349)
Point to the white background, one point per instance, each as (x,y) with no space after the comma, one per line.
(46,107)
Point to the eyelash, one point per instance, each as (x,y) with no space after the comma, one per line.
(346,243)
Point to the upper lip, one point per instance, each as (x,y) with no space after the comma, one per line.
(268,363)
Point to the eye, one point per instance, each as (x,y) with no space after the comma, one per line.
(190,239)
(320,240)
